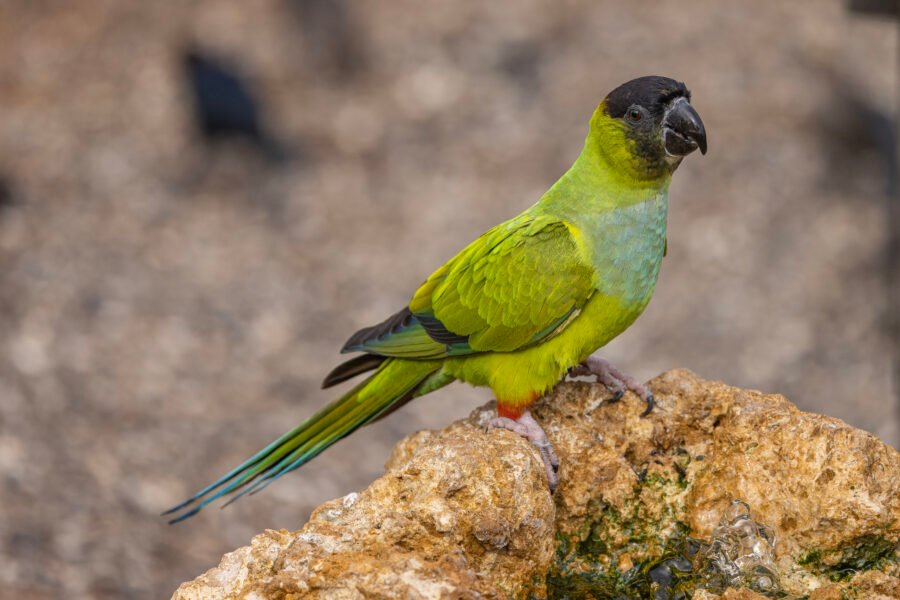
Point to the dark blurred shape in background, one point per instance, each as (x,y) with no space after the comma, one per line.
(882,8)
(882,134)
(225,105)
(332,39)
(521,62)
(857,131)
(7,197)
(154,334)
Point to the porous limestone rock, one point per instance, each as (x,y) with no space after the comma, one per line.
(465,513)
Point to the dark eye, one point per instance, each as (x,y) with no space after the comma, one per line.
(635,115)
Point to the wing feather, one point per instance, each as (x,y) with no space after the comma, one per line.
(519,283)
(510,288)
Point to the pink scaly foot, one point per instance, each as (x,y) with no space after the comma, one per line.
(532,431)
(615,380)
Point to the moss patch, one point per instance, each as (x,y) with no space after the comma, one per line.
(636,551)
(582,575)
(864,554)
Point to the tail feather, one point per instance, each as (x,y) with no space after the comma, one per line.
(352,368)
(393,383)
(299,456)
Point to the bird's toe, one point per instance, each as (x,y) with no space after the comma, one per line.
(651,402)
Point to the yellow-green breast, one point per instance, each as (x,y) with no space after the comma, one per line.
(625,246)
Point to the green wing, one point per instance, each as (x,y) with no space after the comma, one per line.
(519,283)
(516,285)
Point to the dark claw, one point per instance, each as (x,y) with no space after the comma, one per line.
(579,371)
(616,396)
(651,402)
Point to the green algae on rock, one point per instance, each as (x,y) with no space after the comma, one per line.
(864,554)
(739,554)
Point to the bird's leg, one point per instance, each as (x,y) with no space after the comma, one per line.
(615,380)
(532,431)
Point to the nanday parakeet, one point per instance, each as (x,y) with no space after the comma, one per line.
(527,302)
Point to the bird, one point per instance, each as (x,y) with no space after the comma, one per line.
(225,105)
(525,304)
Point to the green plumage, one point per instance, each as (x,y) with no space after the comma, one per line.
(368,401)
(500,292)
(527,300)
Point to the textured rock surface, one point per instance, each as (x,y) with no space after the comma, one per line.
(459,513)
(465,513)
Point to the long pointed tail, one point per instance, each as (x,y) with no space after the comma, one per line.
(393,383)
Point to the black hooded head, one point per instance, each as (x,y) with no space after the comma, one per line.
(657,116)
(654,93)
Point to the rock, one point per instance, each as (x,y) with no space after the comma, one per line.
(644,505)
(730,594)
(415,532)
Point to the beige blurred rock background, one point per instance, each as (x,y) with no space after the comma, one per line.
(166,310)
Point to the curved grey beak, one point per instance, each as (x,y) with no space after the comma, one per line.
(683,129)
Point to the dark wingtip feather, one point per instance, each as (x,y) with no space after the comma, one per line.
(352,368)
(393,324)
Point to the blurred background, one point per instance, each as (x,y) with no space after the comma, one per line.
(175,283)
